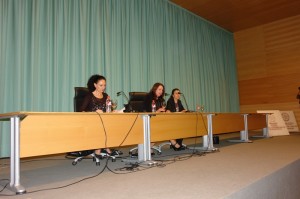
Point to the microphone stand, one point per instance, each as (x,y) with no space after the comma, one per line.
(187,107)
(124,95)
(127,106)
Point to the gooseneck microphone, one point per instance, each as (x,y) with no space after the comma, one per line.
(127,106)
(187,107)
(123,94)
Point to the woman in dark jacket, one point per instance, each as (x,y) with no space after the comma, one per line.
(154,101)
(174,105)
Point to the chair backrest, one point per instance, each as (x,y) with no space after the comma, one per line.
(80,93)
(136,101)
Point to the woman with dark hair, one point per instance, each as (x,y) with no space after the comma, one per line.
(95,101)
(154,101)
(174,105)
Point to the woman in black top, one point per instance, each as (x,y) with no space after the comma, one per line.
(95,101)
(155,97)
(154,101)
(174,105)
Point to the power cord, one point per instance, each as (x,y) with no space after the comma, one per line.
(4,185)
(128,169)
(64,186)
(128,133)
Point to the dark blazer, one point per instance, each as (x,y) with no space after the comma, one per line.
(171,105)
(148,102)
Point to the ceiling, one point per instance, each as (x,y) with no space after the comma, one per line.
(236,15)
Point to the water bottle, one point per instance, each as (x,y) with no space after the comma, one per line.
(202,108)
(108,106)
(153,106)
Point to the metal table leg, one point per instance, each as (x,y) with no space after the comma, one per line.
(244,137)
(15,156)
(207,140)
(144,150)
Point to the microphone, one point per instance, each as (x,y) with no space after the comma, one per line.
(124,95)
(127,106)
(187,107)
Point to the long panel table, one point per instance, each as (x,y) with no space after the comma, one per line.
(166,126)
(44,133)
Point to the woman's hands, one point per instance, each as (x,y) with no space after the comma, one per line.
(99,111)
(162,109)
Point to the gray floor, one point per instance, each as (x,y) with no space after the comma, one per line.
(177,175)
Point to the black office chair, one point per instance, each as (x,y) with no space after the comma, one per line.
(136,104)
(80,93)
(136,101)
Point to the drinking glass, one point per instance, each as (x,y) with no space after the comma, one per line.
(200,108)
(164,104)
(114,104)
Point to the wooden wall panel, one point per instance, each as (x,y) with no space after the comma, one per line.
(247,57)
(268,64)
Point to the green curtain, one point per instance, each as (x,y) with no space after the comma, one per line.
(47,47)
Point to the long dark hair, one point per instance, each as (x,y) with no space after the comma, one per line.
(93,80)
(173,91)
(153,90)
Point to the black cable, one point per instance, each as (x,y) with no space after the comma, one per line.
(133,168)
(181,157)
(4,185)
(105,167)
(196,132)
(126,134)
(206,129)
(76,182)
(122,140)
(103,129)
(129,129)
(59,187)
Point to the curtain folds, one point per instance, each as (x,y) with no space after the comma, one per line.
(47,47)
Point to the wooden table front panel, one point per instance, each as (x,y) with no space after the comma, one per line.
(256,121)
(227,122)
(42,134)
(166,126)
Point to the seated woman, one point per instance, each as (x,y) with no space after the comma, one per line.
(95,101)
(154,101)
(174,105)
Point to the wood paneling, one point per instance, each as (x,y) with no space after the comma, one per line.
(236,15)
(268,64)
